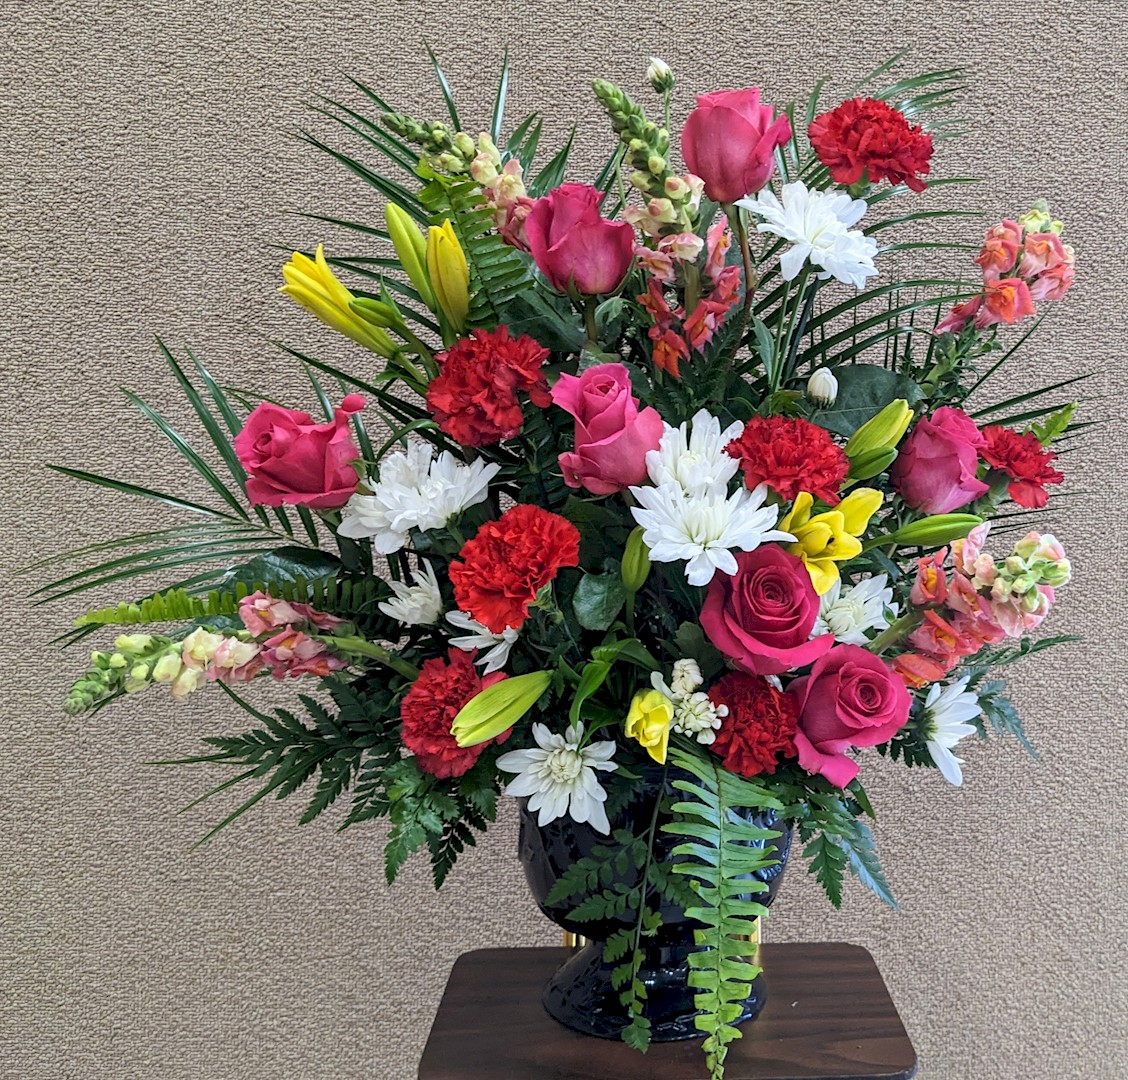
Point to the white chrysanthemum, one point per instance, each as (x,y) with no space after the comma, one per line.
(697,462)
(947,710)
(414,492)
(704,530)
(417,604)
(695,715)
(686,678)
(497,646)
(848,615)
(817,223)
(558,775)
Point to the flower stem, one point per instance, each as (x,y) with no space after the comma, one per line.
(358,646)
(751,279)
(589,323)
(896,631)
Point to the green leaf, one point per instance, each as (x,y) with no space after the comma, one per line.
(593,676)
(598,599)
(863,391)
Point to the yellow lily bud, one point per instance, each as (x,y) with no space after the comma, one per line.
(450,275)
(827,539)
(498,707)
(648,721)
(313,285)
(881,432)
(411,250)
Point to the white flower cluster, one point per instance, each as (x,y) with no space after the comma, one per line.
(688,514)
(817,224)
(695,714)
(848,615)
(414,492)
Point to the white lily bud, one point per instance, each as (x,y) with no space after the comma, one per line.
(659,75)
(822,388)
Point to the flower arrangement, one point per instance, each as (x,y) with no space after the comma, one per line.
(666,469)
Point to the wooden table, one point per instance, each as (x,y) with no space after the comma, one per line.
(828,1017)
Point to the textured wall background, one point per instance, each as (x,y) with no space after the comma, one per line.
(147,166)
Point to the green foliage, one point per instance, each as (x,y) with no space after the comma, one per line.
(998,710)
(599,598)
(721,852)
(863,391)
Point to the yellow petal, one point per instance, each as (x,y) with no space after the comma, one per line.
(824,573)
(799,513)
(339,294)
(858,507)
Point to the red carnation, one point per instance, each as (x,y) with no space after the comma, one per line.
(509,561)
(1025,460)
(791,455)
(761,724)
(474,398)
(865,135)
(430,706)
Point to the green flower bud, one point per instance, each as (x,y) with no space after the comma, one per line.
(934,531)
(872,463)
(656,164)
(822,388)
(133,643)
(881,431)
(167,667)
(464,144)
(659,75)
(117,661)
(498,707)
(636,562)
(139,673)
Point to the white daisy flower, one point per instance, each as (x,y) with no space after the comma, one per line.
(558,776)
(849,615)
(414,492)
(817,224)
(695,714)
(947,710)
(497,646)
(417,604)
(696,462)
(687,677)
(703,530)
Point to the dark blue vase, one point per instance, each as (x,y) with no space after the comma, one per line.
(580,994)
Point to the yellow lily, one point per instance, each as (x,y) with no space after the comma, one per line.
(648,721)
(411,250)
(313,285)
(825,540)
(449,274)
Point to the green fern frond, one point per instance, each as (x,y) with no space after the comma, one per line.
(721,852)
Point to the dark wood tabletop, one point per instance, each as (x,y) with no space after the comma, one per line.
(828,1017)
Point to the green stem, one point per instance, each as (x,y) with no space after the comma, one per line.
(589,323)
(358,646)
(896,631)
(751,279)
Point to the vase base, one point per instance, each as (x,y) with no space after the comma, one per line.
(580,996)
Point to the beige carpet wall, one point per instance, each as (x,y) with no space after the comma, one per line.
(149,168)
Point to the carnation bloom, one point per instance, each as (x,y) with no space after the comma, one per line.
(760,724)
(947,710)
(817,225)
(790,455)
(868,136)
(558,776)
(430,706)
(414,492)
(500,571)
(1025,460)
(703,530)
(474,397)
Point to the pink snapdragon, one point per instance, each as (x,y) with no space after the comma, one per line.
(292,653)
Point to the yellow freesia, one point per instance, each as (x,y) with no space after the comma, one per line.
(825,540)
(449,274)
(313,285)
(648,721)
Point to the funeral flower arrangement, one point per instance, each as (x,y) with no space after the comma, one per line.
(689,465)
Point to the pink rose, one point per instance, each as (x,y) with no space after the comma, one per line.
(935,469)
(851,698)
(574,246)
(612,435)
(291,459)
(729,140)
(762,616)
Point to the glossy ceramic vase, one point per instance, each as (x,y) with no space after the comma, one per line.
(580,994)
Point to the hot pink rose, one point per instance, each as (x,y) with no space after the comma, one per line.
(851,698)
(612,435)
(935,469)
(574,246)
(762,616)
(729,140)
(291,459)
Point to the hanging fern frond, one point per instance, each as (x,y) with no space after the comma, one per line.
(721,853)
